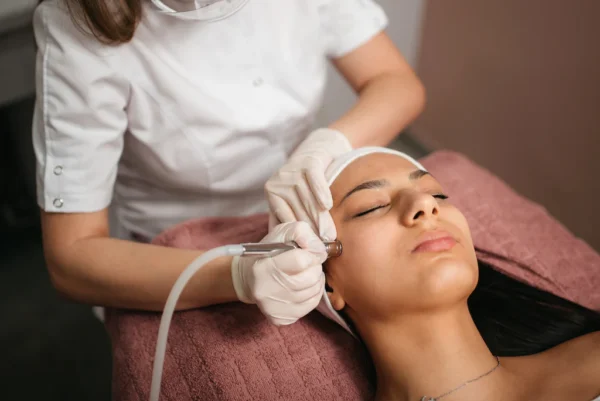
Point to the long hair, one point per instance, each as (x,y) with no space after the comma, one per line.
(517,319)
(112,22)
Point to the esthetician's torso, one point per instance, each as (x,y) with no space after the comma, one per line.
(236,100)
(213,109)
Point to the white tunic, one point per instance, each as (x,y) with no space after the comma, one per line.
(189,119)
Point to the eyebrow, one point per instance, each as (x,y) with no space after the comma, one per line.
(375,184)
(415,175)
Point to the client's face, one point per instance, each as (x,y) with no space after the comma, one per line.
(406,248)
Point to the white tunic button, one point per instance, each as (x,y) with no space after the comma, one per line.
(58,170)
(258,82)
(58,203)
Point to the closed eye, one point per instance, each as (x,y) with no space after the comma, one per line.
(437,196)
(370,210)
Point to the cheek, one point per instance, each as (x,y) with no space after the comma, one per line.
(460,222)
(366,274)
(367,244)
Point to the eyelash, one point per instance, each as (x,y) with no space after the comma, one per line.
(371,210)
(437,196)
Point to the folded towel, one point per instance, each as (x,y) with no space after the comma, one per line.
(230,352)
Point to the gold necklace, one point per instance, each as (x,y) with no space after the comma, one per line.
(427,398)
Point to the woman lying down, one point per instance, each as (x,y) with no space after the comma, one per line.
(437,323)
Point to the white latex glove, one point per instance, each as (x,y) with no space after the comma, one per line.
(288,286)
(299,190)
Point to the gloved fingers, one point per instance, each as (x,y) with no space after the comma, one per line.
(307,238)
(273,221)
(316,215)
(285,313)
(326,226)
(306,294)
(285,300)
(281,209)
(300,281)
(297,203)
(294,262)
(315,176)
(312,302)
(300,232)
(280,320)
(307,209)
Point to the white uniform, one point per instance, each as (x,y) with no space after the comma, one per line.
(189,119)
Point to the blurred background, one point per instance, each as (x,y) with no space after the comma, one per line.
(513,85)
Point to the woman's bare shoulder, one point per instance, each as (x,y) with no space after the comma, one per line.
(571,368)
(582,351)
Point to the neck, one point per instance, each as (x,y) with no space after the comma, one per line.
(429,355)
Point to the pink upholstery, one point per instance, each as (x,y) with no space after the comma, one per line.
(229,352)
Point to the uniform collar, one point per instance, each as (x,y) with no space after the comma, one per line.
(207,11)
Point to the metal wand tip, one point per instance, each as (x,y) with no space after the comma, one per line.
(333,248)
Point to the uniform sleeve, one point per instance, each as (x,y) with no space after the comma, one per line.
(348,24)
(79,118)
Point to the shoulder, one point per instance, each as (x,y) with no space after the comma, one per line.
(586,351)
(572,367)
(583,351)
(52,16)
(55,27)
(347,24)
(69,55)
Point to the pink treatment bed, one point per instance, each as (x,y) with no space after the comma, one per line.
(229,352)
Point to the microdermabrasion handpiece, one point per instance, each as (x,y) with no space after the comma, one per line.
(333,248)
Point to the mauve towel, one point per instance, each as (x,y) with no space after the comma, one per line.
(229,352)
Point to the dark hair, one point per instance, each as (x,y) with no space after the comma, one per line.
(112,22)
(516,319)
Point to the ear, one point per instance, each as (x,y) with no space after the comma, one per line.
(335,297)
(336,300)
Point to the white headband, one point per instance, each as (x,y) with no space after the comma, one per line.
(332,172)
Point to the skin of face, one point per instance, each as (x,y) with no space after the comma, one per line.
(379,276)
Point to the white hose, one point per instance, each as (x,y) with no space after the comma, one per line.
(165,321)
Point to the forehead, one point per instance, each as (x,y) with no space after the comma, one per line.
(371,167)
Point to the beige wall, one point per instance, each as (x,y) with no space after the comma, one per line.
(515,85)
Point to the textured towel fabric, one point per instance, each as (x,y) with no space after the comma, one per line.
(230,352)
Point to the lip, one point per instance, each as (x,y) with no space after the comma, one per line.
(434,241)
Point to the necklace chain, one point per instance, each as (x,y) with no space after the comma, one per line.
(427,398)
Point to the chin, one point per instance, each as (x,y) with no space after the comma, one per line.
(449,278)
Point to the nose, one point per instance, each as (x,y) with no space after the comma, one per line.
(419,209)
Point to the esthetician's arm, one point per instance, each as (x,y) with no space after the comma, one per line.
(390,96)
(87,266)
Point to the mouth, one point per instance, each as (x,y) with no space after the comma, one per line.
(434,241)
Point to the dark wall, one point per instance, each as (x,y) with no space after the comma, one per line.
(515,85)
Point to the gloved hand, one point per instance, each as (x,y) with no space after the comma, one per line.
(288,286)
(299,191)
